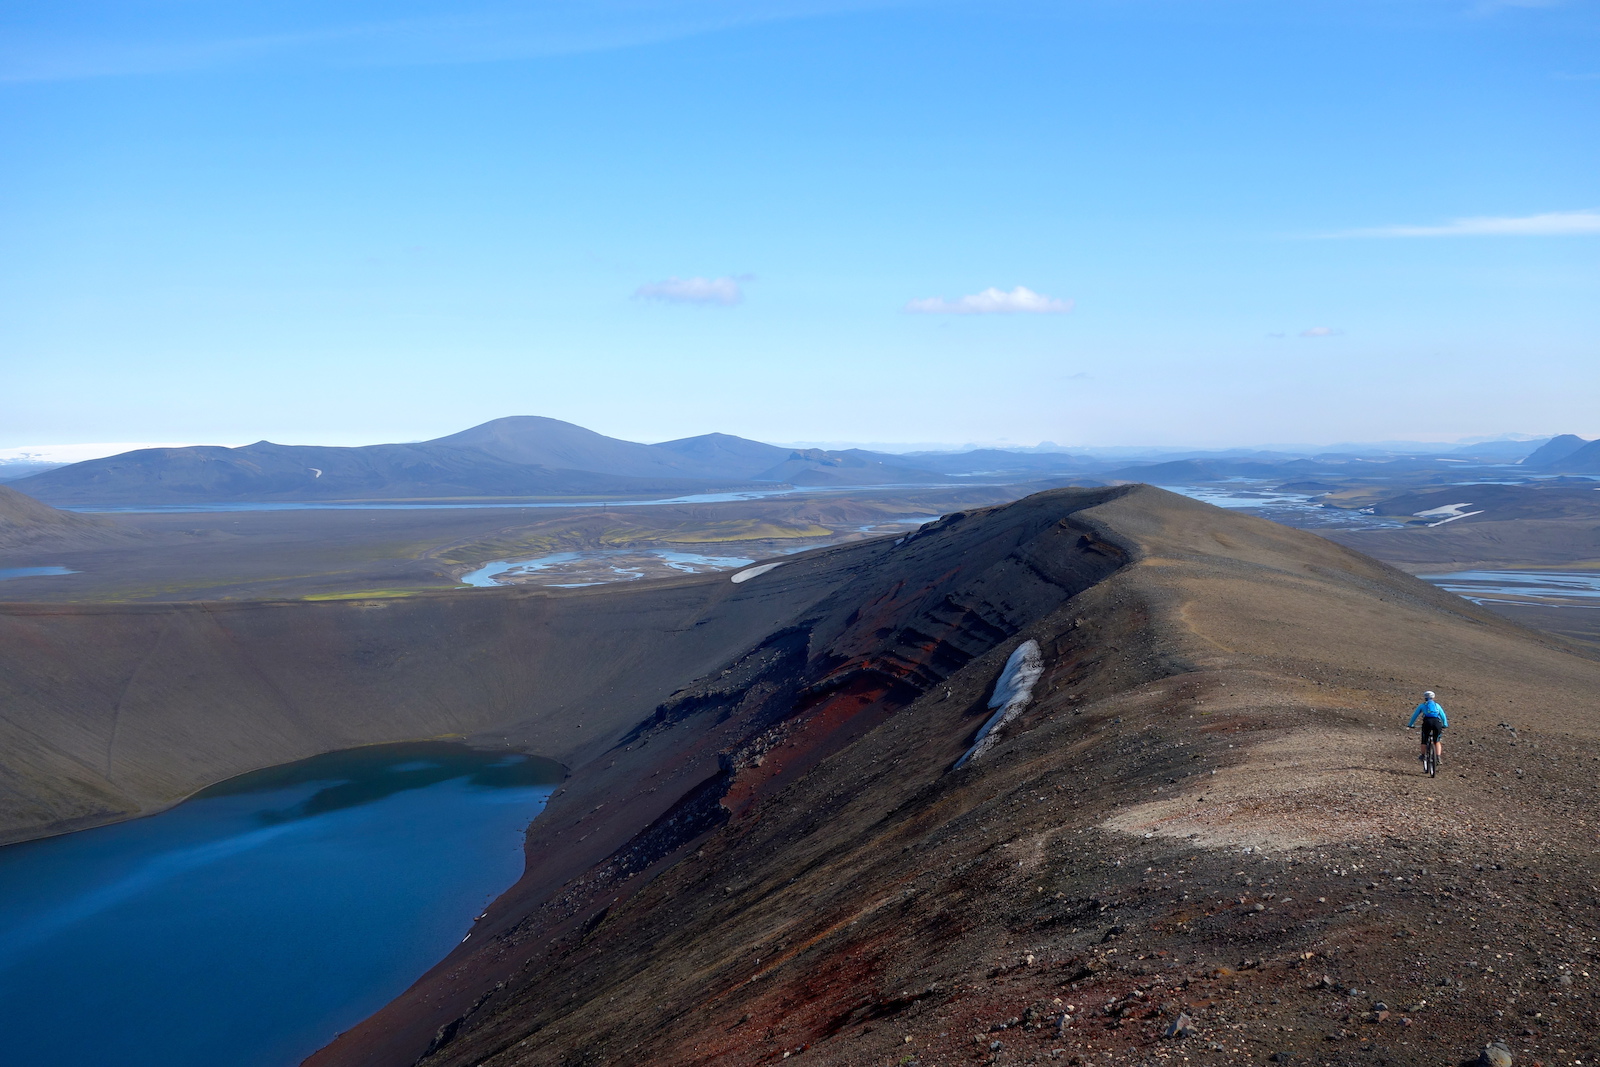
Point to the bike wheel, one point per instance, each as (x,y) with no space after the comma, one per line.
(1432,764)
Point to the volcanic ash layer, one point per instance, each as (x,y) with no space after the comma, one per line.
(1204,820)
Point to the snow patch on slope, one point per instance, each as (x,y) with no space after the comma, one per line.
(752,572)
(1012,692)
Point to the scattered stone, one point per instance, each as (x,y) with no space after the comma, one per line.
(1495,1054)
(996,1046)
(1181,1027)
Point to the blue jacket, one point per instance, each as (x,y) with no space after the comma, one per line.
(1429,709)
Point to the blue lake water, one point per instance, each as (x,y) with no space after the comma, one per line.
(249,925)
(32,572)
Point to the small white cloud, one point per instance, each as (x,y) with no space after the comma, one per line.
(992,302)
(724,291)
(1321,331)
(1550,224)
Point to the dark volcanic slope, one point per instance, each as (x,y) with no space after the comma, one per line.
(1209,808)
(26,523)
(107,711)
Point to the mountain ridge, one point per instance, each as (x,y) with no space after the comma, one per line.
(522,456)
(1219,710)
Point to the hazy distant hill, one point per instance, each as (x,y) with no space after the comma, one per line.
(17,469)
(521,456)
(267,471)
(996,461)
(536,441)
(852,466)
(1554,451)
(1584,459)
(1186,471)
(738,456)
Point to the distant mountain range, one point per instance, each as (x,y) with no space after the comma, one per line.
(530,457)
(518,457)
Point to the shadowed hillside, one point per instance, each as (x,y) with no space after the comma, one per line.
(24,523)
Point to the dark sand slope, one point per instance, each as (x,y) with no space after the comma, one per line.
(107,711)
(1208,808)
(25,523)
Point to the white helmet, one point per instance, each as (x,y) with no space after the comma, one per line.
(1428,695)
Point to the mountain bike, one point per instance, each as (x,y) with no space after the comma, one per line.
(1430,759)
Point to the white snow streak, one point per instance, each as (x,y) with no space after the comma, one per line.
(752,572)
(1012,693)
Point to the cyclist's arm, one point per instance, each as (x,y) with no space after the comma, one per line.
(1414,715)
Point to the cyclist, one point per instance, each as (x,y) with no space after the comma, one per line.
(1434,723)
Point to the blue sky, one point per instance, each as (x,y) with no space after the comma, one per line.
(1101,222)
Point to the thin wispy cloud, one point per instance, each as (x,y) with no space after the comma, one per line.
(716,291)
(1550,224)
(130,37)
(992,302)
(1321,331)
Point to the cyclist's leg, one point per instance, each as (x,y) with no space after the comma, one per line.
(1430,739)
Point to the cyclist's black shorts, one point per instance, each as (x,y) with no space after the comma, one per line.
(1432,727)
